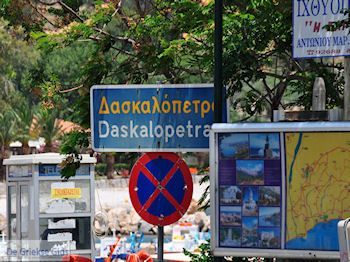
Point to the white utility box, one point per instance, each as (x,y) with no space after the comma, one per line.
(46,216)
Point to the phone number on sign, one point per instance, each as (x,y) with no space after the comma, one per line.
(324,52)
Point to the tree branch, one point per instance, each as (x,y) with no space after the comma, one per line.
(118,9)
(70,90)
(42,15)
(70,10)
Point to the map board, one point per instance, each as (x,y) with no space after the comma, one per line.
(310,37)
(148,118)
(279,189)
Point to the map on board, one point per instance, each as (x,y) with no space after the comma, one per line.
(317,188)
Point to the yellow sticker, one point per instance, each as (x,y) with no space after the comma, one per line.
(66,193)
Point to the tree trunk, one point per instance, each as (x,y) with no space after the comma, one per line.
(25,148)
(110,160)
(4,153)
(2,170)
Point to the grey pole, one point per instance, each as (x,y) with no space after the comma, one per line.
(347,88)
(319,95)
(160,250)
(218,82)
(218,62)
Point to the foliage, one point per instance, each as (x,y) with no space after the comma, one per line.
(72,144)
(17,58)
(204,200)
(7,129)
(132,42)
(205,254)
(258,66)
(101,169)
(120,166)
(48,127)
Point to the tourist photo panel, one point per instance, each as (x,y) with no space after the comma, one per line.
(234,146)
(250,195)
(270,237)
(230,195)
(250,172)
(250,236)
(231,237)
(230,216)
(264,146)
(250,201)
(269,217)
(269,196)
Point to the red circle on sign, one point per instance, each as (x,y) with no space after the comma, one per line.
(160,188)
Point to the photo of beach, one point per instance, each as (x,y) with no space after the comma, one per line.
(234,146)
(230,215)
(269,216)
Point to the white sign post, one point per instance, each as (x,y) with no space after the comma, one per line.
(310,37)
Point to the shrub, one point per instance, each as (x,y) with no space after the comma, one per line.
(101,169)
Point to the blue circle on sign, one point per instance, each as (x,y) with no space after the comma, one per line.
(160,168)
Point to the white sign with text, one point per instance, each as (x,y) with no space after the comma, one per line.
(310,37)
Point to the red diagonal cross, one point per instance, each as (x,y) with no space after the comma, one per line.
(160,188)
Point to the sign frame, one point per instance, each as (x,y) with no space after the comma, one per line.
(329,52)
(178,165)
(148,86)
(280,128)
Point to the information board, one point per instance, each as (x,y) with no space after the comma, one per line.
(279,189)
(310,37)
(146,118)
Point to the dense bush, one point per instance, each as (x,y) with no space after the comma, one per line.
(101,169)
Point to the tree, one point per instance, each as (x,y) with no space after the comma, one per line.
(48,128)
(25,116)
(7,135)
(17,58)
(258,65)
(172,41)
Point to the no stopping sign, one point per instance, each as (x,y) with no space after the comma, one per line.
(160,188)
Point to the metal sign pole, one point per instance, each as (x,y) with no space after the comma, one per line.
(347,89)
(160,250)
(218,69)
(218,62)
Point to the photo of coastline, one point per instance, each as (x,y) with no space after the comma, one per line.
(230,215)
(234,146)
(230,237)
(250,172)
(250,236)
(250,200)
(269,216)
(264,146)
(230,195)
(269,196)
(269,237)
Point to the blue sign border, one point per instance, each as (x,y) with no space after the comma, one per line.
(99,148)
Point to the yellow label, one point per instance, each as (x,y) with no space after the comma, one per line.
(66,193)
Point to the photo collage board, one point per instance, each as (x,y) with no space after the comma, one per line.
(250,190)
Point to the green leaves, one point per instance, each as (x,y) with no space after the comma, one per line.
(72,145)
(205,254)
